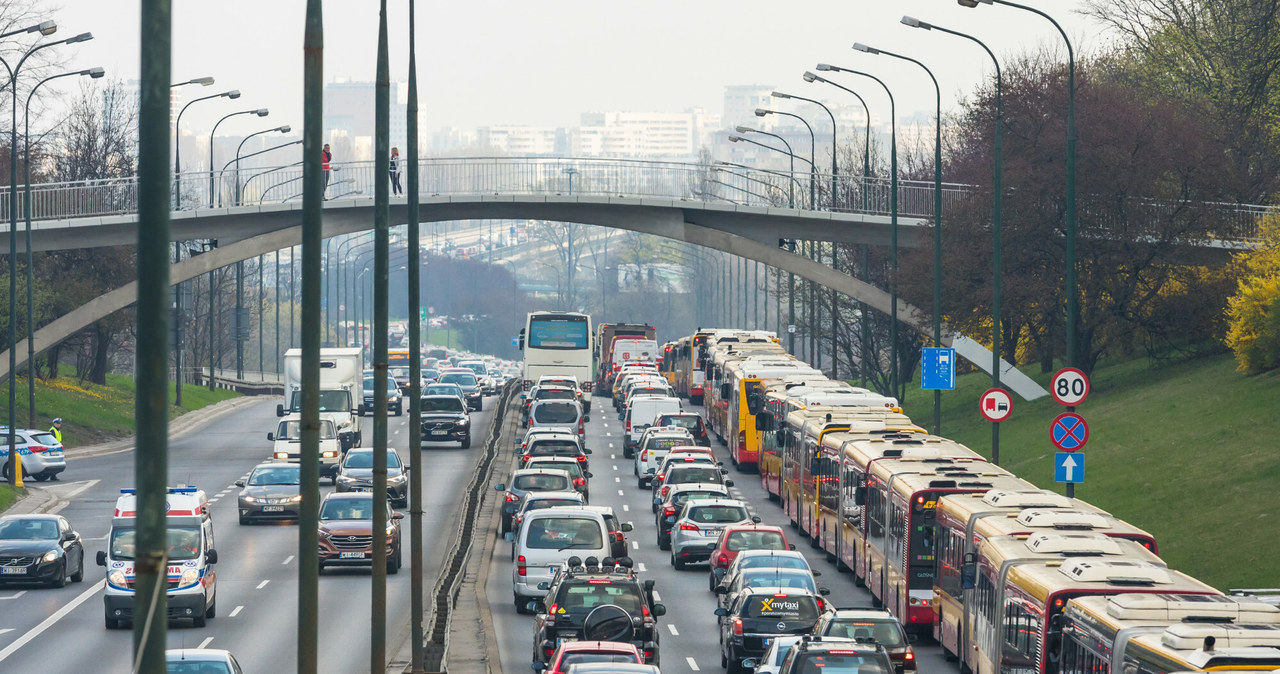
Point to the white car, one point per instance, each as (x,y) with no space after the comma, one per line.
(771,661)
(653,447)
(546,540)
(288,445)
(41,453)
(697,528)
(641,412)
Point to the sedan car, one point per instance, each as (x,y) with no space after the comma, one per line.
(698,527)
(40,549)
(346,532)
(445,419)
(525,482)
(271,493)
(466,380)
(356,475)
(870,624)
(200,661)
(395,400)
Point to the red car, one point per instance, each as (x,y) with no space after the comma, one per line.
(735,539)
(576,652)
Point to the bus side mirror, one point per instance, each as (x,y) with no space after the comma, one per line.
(969,571)
(279,410)
(724,391)
(815,466)
(860,496)
(762,422)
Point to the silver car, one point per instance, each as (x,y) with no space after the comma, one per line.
(41,453)
(698,527)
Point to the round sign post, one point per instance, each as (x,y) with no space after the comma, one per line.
(1069,432)
(995,405)
(1070,386)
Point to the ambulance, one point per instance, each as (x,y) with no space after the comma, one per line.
(192,589)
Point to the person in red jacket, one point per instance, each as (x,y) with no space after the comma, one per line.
(326,157)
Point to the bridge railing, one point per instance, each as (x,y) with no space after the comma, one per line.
(542,175)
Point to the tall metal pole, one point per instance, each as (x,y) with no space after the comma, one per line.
(416,562)
(276,283)
(262,328)
(312,194)
(241,332)
(382,231)
(213,295)
(151,467)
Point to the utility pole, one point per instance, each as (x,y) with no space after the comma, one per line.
(416,567)
(381,264)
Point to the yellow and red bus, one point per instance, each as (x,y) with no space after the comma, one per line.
(747,380)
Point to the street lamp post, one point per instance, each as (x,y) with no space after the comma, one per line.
(893,218)
(937,216)
(95,73)
(997,204)
(177,142)
(261,112)
(282,129)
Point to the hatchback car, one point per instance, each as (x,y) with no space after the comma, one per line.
(41,453)
(670,508)
(556,444)
(757,615)
(559,413)
(826,654)
(870,624)
(356,475)
(272,492)
(690,421)
(525,482)
(576,469)
(577,652)
(200,661)
(742,537)
(698,526)
(40,549)
(346,532)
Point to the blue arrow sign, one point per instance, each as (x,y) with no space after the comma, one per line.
(1068,467)
(938,369)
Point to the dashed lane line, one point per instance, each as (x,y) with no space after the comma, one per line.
(626,508)
(235,611)
(287,560)
(640,567)
(635,545)
(673,630)
(615,466)
(49,622)
(692,664)
(617,479)
(620,493)
(656,596)
(205,642)
(262,584)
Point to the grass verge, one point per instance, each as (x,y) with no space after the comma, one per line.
(8,496)
(1186,451)
(92,413)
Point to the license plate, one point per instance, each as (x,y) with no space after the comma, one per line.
(13,570)
(710,532)
(439,432)
(362,489)
(351,555)
(561,640)
(272,509)
(553,569)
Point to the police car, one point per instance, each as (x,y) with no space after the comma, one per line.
(40,451)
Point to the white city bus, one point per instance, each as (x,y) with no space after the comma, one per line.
(558,343)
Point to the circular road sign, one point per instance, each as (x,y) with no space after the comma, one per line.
(1069,432)
(1070,386)
(995,405)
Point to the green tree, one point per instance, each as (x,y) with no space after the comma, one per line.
(1254,310)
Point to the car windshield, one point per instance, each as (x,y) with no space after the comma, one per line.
(28,529)
(840,663)
(451,390)
(781,607)
(292,430)
(564,533)
(772,561)
(391,383)
(884,632)
(554,448)
(278,474)
(665,443)
(536,482)
(755,540)
(184,542)
(330,401)
(778,578)
(555,414)
(680,497)
(570,467)
(196,667)
(347,509)
(365,460)
(430,374)
(717,514)
(450,404)
(693,474)
(689,422)
(580,599)
(399,373)
(459,378)
(540,503)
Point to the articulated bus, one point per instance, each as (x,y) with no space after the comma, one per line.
(900,552)
(719,391)
(667,365)
(746,381)
(1162,633)
(558,343)
(1016,607)
(778,398)
(965,520)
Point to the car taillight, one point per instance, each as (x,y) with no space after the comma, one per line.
(909,655)
(520,565)
(578,482)
(665,491)
(688,527)
(644,455)
(722,561)
(617,536)
(524,458)
(742,441)
(582,459)
(822,606)
(512,497)
(668,511)
(659,477)
(737,626)
(628,425)
(37,448)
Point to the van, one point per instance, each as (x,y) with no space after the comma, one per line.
(546,540)
(642,412)
(192,580)
(288,445)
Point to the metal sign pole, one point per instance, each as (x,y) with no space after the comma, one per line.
(381,264)
(415,365)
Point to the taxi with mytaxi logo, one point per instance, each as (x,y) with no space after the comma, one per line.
(755,615)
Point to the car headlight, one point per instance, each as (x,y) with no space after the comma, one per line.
(248,499)
(51,555)
(346,480)
(190,576)
(396,479)
(391,528)
(116,578)
(295,499)
(463,421)
(324,534)
(329,455)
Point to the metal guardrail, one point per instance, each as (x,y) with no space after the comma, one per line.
(548,176)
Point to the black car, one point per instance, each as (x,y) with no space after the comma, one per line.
(40,549)
(356,474)
(581,586)
(818,654)
(468,383)
(757,615)
(272,492)
(445,419)
(690,421)
(395,401)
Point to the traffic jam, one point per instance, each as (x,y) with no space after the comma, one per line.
(959,558)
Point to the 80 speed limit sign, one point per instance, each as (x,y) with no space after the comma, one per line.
(1070,386)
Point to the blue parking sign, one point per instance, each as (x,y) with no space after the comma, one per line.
(938,369)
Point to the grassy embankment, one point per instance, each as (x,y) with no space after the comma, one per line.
(1186,451)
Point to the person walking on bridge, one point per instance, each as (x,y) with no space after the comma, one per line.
(394,169)
(326,156)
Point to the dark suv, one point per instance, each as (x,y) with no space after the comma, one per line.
(445,419)
(818,654)
(578,588)
(690,421)
(758,614)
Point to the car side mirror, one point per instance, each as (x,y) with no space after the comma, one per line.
(724,471)
(531,607)
(720,589)
(749,664)
(239,483)
(397,516)
(816,573)
(523,396)
(652,471)
(544,585)
(626,526)
(659,610)
(728,483)
(538,666)
(70,536)
(510,537)
(271,437)
(587,475)
(824,591)
(500,487)
(755,519)
(102,558)
(791,546)
(279,410)
(586,451)
(587,418)
(211,557)
(722,612)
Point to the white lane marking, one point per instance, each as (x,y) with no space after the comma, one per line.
(9,629)
(262,584)
(287,560)
(80,488)
(635,545)
(609,434)
(59,508)
(615,467)
(617,479)
(205,642)
(610,445)
(692,665)
(103,537)
(656,596)
(213,500)
(640,567)
(613,456)
(674,631)
(19,593)
(626,508)
(620,493)
(235,611)
(49,622)
(232,486)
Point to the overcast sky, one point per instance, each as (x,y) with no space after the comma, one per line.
(486,62)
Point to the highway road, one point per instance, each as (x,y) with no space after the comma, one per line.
(62,630)
(689,630)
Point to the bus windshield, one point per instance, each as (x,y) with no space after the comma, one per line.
(558,332)
(924,536)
